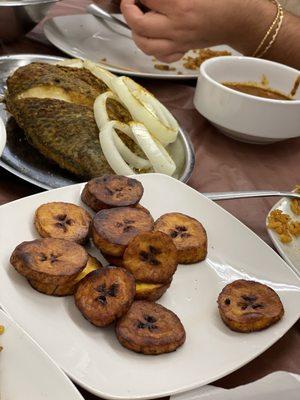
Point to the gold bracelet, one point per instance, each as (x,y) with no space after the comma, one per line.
(276,24)
(273,37)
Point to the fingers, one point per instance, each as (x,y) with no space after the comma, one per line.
(151,24)
(159,48)
(160,6)
(170,58)
(129,8)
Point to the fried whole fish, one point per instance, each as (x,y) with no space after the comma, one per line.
(54,106)
(63,132)
(52,81)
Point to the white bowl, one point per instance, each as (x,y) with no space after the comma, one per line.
(245,117)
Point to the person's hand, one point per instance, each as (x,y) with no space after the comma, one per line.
(175,26)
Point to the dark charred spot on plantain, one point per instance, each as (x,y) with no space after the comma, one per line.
(148,323)
(150,255)
(63,221)
(61,217)
(250,298)
(53,258)
(180,231)
(128,228)
(250,302)
(43,257)
(127,225)
(105,292)
(227,302)
(255,306)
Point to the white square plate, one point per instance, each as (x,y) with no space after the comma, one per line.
(26,371)
(93,356)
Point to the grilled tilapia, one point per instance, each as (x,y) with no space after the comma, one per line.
(54,106)
(63,132)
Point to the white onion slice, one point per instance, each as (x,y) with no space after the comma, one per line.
(157,155)
(115,151)
(132,159)
(100,73)
(73,62)
(100,110)
(146,109)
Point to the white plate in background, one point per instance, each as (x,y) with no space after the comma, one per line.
(26,371)
(85,36)
(93,357)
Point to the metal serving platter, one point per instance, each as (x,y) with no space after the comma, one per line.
(23,160)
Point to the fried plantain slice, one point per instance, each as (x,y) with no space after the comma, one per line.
(55,261)
(150,328)
(63,221)
(150,291)
(113,228)
(69,288)
(112,191)
(105,295)
(247,306)
(144,291)
(151,257)
(188,235)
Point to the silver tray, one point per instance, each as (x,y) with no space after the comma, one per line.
(24,161)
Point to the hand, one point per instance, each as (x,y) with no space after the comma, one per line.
(175,26)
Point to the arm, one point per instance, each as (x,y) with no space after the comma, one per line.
(176,26)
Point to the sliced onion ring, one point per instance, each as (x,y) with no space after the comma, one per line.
(146,109)
(100,110)
(100,73)
(116,152)
(73,62)
(157,155)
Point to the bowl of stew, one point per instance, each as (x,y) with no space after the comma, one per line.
(250,99)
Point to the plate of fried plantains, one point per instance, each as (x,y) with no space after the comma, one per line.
(140,287)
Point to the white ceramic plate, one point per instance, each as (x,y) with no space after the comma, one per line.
(93,357)
(290,252)
(84,36)
(26,371)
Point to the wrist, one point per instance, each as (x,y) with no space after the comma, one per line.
(247,22)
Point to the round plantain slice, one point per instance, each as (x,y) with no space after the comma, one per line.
(112,229)
(49,260)
(150,291)
(63,221)
(105,295)
(188,235)
(247,306)
(150,328)
(69,288)
(112,191)
(151,257)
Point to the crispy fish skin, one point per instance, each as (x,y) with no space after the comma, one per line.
(80,91)
(86,76)
(63,132)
